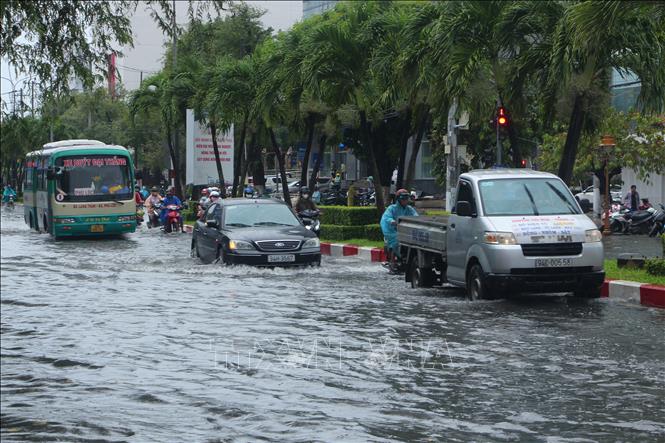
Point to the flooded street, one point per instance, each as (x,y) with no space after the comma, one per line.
(130,339)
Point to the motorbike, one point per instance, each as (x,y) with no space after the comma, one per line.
(140,212)
(618,221)
(153,215)
(640,222)
(334,197)
(658,227)
(172,223)
(9,205)
(365,198)
(310,218)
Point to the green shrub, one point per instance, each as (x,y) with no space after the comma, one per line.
(336,232)
(655,266)
(662,237)
(373,232)
(349,215)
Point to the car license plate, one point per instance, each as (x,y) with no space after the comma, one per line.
(553,262)
(286,258)
(97,228)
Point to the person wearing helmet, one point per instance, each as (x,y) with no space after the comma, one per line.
(170,199)
(305,201)
(214,198)
(249,191)
(316,195)
(151,203)
(203,202)
(137,196)
(400,208)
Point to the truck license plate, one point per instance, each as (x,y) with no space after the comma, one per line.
(286,258)
(553,262)
(97,228)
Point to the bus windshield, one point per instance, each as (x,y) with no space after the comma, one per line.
(92,178)
(528,196)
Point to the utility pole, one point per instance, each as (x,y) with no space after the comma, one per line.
(499,148)
(175,61)
(20,104)
(32,99)
(452,161)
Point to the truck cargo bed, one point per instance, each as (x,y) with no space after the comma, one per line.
(426,232)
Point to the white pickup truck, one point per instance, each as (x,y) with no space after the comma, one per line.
(511,231)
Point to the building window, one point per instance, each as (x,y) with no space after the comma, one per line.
(425,159)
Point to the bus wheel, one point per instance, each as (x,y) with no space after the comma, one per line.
(45,225)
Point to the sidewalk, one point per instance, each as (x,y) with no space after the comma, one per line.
(645,294)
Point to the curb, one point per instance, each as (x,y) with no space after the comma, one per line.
(367,253)
(642,293)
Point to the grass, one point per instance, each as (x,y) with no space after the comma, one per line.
(612,271)
(357,242)
(435,212)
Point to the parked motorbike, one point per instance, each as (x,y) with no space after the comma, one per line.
(334,197)
(140,212)
(640,222)
(365,198)
(153,216)
(172,223)
(310,218)
(658,227)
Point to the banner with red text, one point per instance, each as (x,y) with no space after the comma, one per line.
(201,166)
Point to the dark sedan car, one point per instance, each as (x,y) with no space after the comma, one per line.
(254,232)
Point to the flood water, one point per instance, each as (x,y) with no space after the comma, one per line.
(132,340)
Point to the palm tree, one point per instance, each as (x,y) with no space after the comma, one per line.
(590,41)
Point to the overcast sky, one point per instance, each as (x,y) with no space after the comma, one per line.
(280,15)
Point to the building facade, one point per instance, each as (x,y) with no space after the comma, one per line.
(313,7)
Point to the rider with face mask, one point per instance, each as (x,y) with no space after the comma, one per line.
(305,201)
(170,199)
(400,208)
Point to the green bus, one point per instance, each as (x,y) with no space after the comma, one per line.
(79,188)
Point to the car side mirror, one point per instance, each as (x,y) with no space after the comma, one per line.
(464,209)
(212,223)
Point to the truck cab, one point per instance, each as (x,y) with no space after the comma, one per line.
(511,230)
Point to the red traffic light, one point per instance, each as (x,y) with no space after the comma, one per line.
(523,163)
(502,118)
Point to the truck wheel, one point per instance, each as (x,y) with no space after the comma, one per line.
(421,278)
(476,288)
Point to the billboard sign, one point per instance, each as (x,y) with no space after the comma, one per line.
(201,165)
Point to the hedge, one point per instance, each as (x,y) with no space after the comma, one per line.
(337,232)
(349,215)
(655,266)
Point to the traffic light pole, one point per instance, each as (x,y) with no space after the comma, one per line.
(452,172)
(499,148)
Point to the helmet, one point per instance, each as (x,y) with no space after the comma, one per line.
(304,190)
(214,194)
(214,188)
(402,194)
(154,189)
(370,178)
(204,191)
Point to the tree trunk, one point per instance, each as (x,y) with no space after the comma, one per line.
(255,164)
(572,140)
(218,161)
(514,146)
(239,160)
(176,165)
(317,163)
(174,161)
(420,133)
(403,144)
(308,151)
(279,156)
(366,129)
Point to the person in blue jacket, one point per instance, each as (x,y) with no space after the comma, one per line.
(400,208)
(170,199)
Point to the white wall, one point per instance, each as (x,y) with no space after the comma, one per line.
(653,188)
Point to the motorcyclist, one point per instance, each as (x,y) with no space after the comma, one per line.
(249,191)
(305,201)
(400,208)
(214,198)
(7,193)
(316,195)
(170,199)
(137,196)
(205,194)
(150,203)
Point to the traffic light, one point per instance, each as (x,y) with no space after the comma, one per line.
(502,117)
(523,163)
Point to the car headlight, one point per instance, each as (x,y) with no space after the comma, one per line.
(239,245)
(500,238)
(312,243)
(592,236)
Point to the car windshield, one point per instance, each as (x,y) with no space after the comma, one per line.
(526,196)
(93,177)
(259,215)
